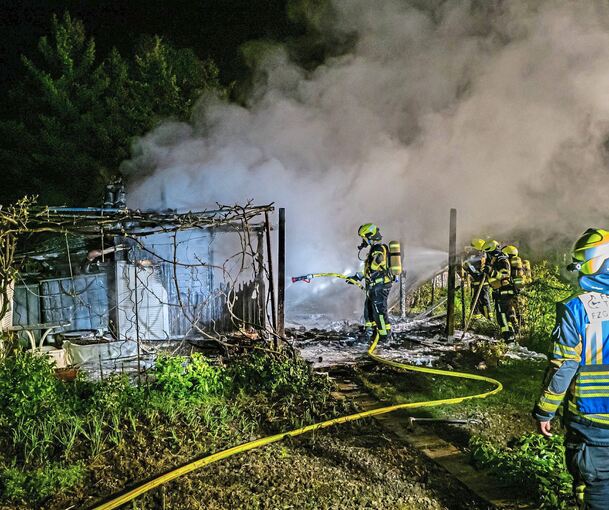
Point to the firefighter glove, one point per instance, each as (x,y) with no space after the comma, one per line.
(357,277)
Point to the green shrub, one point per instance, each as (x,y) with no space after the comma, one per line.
(28,388)
(273,373)
(114,394)
(533,462)
(282,389)
(39,484)
(191,378)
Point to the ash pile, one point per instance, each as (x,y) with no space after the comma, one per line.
(325,343)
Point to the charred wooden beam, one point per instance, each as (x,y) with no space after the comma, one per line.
(281,276)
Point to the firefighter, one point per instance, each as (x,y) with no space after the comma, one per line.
(378,278)
(579,371)
(474,267)
(518,282)
(497,270)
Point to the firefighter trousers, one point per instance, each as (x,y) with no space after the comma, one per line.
(375,308)
(505,311)
(589,466)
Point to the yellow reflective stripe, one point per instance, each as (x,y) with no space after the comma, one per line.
(553,397)
(547,407)
(383,328)
(549,401)
(594,343)
(562,351)
(586,375)
(592,395)
(567,356)
(598,418)
(599,343)
(564,348)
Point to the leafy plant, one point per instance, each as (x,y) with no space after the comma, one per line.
(28,388)
(533,462)
(189,379)
(39,484)
(274,373)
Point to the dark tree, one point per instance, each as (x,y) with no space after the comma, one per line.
(77,114)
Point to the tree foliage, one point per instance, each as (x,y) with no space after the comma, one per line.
(78,113)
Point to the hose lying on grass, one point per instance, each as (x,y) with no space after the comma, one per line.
(130,494)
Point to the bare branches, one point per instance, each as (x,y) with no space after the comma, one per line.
(94,222)
(237,302)
(13,221)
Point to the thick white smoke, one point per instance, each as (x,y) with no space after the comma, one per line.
(500,109)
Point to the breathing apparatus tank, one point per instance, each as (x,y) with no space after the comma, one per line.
(395,258)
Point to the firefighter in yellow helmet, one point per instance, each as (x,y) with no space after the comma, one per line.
(518,281)
(498,272)
(577,373)
(378,278)
(474,266)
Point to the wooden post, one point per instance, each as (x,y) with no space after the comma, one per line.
(261,315)
(452,267)
(137,325)
(281,276)
(463,312)
(403,295)
(433,289)
(269,254)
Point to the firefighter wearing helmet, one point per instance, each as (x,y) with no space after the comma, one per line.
(579,372)
(498,272)
(517,274)
(378,278)
(474,267)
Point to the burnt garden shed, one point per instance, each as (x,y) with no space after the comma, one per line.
(116,276)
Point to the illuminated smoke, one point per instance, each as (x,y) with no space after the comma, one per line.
(497,108)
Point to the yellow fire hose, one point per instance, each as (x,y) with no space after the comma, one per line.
(117,501)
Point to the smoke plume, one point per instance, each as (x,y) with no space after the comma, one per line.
(500,109)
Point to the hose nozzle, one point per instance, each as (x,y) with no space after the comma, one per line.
(305,278)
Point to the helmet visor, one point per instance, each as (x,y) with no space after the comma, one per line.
(592,266)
